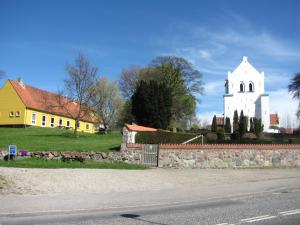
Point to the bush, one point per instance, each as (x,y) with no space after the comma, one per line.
(164,137)
(220,133)
(250,136)
(211,137)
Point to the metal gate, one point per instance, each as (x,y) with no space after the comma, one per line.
(150,155)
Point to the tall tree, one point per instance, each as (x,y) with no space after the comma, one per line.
(151,104)
(235,121)
(106,102)
(178,75)
(214,126)
(258,126)
(227,125)
(251,125)
(294,89)
(78,89)
(242,124)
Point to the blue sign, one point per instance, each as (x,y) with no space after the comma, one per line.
(12,150)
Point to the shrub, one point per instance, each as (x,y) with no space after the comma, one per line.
(220,133)
(211,137)
(250,136)
(163,137)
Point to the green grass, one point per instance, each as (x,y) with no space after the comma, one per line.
(56,164)
(54,139)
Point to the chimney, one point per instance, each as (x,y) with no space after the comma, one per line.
(21,82)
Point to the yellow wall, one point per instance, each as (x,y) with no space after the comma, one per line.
(10,102)
(39,116)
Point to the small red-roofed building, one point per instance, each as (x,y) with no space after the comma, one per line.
(130,131)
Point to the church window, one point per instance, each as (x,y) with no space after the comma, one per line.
(251,87)
(242,87)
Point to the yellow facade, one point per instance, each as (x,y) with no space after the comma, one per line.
(14,112)
(12,109)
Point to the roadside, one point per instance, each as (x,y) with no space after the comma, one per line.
(43,191)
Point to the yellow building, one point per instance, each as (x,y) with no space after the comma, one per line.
(22,105)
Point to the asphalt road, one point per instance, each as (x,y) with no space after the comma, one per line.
(276,207)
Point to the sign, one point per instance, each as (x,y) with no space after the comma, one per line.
(12,150)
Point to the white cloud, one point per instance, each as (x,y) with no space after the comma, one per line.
(208,116)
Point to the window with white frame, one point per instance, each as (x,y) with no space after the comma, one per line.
(52,122)
(68,123)
(87,126)
(60,122)
(33,118)
(78,124)
(43,121)
(18,114)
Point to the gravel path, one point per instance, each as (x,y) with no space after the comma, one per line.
(73,181)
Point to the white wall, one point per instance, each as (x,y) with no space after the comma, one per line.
(252,103)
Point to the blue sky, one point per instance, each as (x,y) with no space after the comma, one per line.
(38,38)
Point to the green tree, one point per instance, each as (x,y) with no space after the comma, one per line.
(214,126)
(294,89)
(242,124)
(258,126)
(151,104)
(251,125)
(227,125)
(178,75)
(106,102)
(236,133)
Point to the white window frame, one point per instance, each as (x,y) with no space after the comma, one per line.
(52,123)
(78,124)
(87,126)
(68,124)
(43,123)
(60,122)
(33,121)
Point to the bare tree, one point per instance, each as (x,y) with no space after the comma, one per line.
(77,93)
(107,102)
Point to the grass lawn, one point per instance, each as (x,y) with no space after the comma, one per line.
(47,139)
(56,164)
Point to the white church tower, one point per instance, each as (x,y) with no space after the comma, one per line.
(245,90)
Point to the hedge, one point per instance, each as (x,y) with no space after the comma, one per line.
(163,137)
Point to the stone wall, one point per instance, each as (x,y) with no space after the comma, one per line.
(193,155)
(229,156)
(127,156)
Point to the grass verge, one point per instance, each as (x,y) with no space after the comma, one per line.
(56,164)
(54,139)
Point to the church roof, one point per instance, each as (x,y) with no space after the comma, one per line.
(245,67)
(40,100)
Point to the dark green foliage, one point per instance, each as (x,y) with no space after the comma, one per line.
(236,130)
(214,126)
(251,125)
(126,114)
(211,137)
(235,121)
(220,133)
(151,104)
(258,127)
(227,125)
(163,137)
(294,89)
(242,124)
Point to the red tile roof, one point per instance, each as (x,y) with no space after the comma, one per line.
(139,128)
(274,120)
(220,121)
(40,100)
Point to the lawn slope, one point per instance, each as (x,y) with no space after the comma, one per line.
(54,139)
